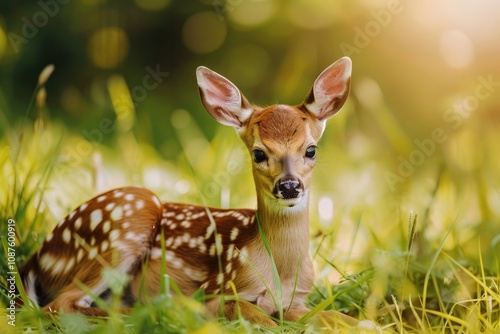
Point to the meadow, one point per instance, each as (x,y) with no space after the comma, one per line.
(405,231)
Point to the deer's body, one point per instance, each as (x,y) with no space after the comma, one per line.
(220,251)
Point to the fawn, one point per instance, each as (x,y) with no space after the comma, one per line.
(205,248)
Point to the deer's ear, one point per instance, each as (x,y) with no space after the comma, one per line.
(222,99)
(330,90)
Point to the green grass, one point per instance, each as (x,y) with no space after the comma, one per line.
(422,258)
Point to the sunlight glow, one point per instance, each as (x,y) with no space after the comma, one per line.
(325,208)
(456,49)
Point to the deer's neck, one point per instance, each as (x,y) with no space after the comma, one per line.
(286,230)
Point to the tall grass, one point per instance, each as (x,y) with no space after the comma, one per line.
(374,260)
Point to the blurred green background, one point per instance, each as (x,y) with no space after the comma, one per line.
(419,132)
(419,58)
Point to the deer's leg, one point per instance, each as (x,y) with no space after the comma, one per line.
(74,300)
(295,314)
(234,309)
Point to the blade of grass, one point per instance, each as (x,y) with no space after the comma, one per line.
(276,277)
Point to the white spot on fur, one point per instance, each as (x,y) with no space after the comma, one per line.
(126,225)
(156,253)
(106,227)
(192,243)
(110,206)
(220,278)
(47,261)
(169,255)
(176,263)
(243,254)
(237,215)
(93,253)
(132,236)
(114,235)
(118,193)
(78,223)
(58,267)
(177,242)
(69,265)
(229,267)
(66,235)
(169,214)
(104,246)
(95,219)
(211,251)
(101,198)
(234,233)
(198,215)
(186,224)
(83,207)
(210,230)
(169,241)
(79,256)
(71,215)
(129,197)
(117,213)
(49,237)
(197,275)
(140,204)
(229,252)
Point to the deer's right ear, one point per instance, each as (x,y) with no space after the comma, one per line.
(222,99)
(330,90)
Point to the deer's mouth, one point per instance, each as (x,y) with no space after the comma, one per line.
(289,199)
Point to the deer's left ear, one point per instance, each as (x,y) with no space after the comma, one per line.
(330,90)
(222,99)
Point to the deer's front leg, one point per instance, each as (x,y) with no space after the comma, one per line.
(235,309)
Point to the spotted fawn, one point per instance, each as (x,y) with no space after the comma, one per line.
(204,248)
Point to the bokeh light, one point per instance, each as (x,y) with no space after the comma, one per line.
(108,47)
(456,49)
(204,32)
(252,13)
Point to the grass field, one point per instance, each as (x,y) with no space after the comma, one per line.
(405,234)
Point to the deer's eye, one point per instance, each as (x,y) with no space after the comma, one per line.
(311,152)
(259,156)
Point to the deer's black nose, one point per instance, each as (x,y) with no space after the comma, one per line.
(289,187)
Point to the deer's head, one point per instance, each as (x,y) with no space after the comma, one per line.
(281,139)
